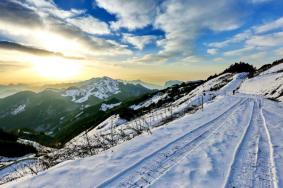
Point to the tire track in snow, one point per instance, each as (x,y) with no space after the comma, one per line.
(238,170)
(252,163)
(272,112)
(267,137)
(147,170)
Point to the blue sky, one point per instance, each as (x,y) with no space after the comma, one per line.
(254,12)
(154,40)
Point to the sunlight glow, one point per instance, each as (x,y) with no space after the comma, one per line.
(58,43)
(57,68)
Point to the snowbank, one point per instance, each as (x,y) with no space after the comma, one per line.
(268,84)
(152,100)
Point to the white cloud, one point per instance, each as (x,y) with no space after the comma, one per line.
(147,59)
(89,24)
(268,40)
(258,44)
(276,24)
(49,9)
(259,1)
(258,58)
(279,52)
(254,40)
(182,20)
(192,59)
(132,14)
(235,39)
(212,51)
(42,24)
(238,52)
(219,60)
(139,41)
(254,35)
(76,17)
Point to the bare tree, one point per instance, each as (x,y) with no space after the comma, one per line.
(88,143)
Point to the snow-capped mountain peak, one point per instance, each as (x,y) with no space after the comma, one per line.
(101,88)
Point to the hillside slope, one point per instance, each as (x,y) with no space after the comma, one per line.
(46,116)
(268,83)
(87,138)
(164,139)
(189,151)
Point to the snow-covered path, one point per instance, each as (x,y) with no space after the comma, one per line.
(235,142)
(151,167)
(253,162)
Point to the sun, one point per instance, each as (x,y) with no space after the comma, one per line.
(57,68)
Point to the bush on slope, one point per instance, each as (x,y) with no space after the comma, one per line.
(236,68)
(9,147)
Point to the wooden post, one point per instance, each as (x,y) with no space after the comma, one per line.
(202,101)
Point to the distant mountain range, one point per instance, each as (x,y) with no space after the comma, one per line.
(167,84)
(6,90)
(49,111)
(170,83)
(145,84)
(55,113)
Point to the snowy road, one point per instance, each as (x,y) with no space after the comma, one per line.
(151,167)
(234,142)
(253,164)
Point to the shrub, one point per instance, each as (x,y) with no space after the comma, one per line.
(14,149)
(9,147)
(240,67)
(7,136)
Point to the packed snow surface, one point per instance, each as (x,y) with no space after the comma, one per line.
(274,69)
(236,141)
